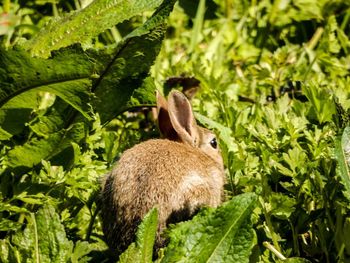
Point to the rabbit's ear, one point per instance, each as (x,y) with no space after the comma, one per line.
(164,123)
(182,119)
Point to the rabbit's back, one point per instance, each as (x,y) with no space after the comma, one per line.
(173,176)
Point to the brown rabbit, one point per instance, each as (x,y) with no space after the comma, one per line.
(178,175)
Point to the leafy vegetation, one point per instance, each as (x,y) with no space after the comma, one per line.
(77,81)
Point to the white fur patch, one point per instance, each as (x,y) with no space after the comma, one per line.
(190,181)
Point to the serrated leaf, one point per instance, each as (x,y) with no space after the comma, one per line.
(224,234)
(80,26)
(141,251)
(342,153)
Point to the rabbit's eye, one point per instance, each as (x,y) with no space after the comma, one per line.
(214,143)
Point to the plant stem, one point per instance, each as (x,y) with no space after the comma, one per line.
(270,227)
(92,221)
(274,250)
(315,38)
(345,21)
(295,239)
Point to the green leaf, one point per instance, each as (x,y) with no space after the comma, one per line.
(6,225)
(8,253)
(142,249)
(282,206)
(130,65)
(132,254)
(80,252)
(342,154)
(52,241)
(322,104)
(80,26)
(44,238)
(35,150)
(15,113)
(67,75)
(224,234)
(145,95)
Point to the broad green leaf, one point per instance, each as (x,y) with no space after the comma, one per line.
(130,65)
(68,75)
(16,113)
(342,153)
(141,251)
(80,26)
(52,241)
(32,152)
(44,238)
(112,73)
(145,95)
(146,235)
(35,150)
(224,234)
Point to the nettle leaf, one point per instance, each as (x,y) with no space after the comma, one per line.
(142,249)
(342,154)
(224,234)
(80,26)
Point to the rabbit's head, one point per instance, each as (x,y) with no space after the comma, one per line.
(176,122)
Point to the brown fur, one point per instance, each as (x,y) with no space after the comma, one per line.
(178,176)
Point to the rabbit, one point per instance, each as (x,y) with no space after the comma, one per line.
(178,174)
